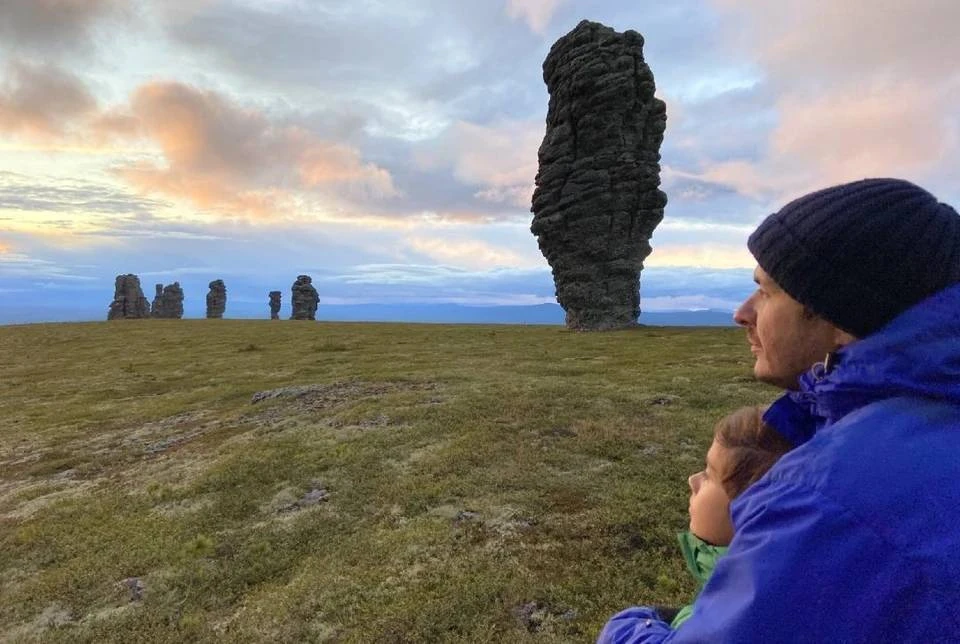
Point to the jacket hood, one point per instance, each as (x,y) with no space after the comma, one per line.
(917,355)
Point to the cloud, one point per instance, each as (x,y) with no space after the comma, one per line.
(270,257)
(680,244)
(410,283)
(661,288)
(43,27)
(466,253)
(724,194)
(500,158)
(536,13)
(214,152)
(434,61)
(329,43)
(861,89)
(703,255)
(221,155)
(322,163)
(40,100)
(756,180)
(689,303)
(834,43)
(903,129)
(22,193)
(733,284)
(735,123)
(21,265)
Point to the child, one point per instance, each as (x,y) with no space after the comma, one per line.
(744,448)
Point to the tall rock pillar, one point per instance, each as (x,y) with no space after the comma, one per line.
(597,199)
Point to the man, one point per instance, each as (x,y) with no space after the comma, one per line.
(854,536)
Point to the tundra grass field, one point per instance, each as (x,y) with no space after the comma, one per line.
(254,481)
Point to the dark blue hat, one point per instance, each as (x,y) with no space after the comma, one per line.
(861,253)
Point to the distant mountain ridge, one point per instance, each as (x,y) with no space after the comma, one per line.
(530,314)
(429,313)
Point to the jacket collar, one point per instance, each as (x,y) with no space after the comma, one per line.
(701,557)
(917,354)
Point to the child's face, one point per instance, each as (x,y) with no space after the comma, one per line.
(709,503)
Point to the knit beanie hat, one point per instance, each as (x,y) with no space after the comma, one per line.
(861,253)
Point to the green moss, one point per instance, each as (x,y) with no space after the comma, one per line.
(479,483)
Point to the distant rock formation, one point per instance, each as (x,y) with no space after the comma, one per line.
(597,201)
(274,305)
(216,299)
(168,303)
(304,300)
(128,299)
(157,302)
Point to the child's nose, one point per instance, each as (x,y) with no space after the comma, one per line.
(694,481)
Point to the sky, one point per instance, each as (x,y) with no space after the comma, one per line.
(388,149)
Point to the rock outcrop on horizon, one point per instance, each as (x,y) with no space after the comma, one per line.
(597,199)
(168,304)
(275,305)
(157,303)
(304,300)
(216,299)
(128,299)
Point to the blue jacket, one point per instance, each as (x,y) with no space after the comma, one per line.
(855,535)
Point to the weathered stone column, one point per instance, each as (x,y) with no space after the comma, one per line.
(157,304)
(274,305)
(597,200)
(128,299)
(216,299)
(304,300)
(173,301)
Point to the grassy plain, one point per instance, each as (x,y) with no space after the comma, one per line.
(402,483)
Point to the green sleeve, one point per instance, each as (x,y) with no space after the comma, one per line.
(682,616)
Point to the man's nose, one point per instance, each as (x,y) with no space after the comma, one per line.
(745,314)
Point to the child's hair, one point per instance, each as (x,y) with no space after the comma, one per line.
(753,447)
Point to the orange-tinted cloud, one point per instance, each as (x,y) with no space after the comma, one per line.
(747,178)
(501,159)
(112,124)
(470,253)
(321,164)
(218,154)
(41,101)
(903,128)
(864,89)
(536,13)
(702,254)
(829,41)
(213,151)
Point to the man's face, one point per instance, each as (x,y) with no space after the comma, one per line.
(785,339)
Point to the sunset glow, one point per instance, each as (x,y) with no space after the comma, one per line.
(253,142)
